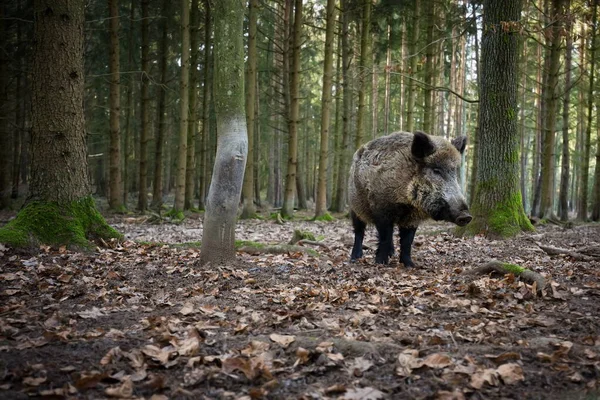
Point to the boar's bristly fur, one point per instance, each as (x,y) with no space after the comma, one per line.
(403,179)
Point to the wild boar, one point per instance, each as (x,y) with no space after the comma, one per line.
(403,179)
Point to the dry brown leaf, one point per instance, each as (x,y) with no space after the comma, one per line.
(488,375)
(510,373)
(502,358)
(407,361)
(437,361)
(358,366)
(114,353)
(255,347)
(123,391)
(445,395)
(187,309)
(161,355)
(31,381)
(283,340)
(367,393)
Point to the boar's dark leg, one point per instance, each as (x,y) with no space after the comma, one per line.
(359,235)
(407,235)
(385,229)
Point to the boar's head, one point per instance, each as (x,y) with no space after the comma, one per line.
(435,189)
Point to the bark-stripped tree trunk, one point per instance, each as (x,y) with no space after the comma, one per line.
(363,70)
(115,199)
(157,186)
(248,208)
(339,201)
(550,92)
(563,205)
(321,201)
(218,240)
(497,209)
(287,210)
(190,167)
(206,90)
(145,106)
(582,213)
(184,83)
(59,208)
(413,45)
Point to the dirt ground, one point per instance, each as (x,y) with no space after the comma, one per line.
(142,319)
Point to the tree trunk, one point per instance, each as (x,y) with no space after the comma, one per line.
(248,208)
(339,201)
(428,104)
(321,201)
(128,136)
(218,240)
(563,205)
(582,213)
(206,90)
(5,136)
(363,69)
(157,186)
(548,167)
(190,167)
(387,90)
(59,209)
(497,209)
(184,84)
(410,102)
(287,210)
(115,199)
(145,131)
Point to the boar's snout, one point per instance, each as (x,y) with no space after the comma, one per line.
(463,218)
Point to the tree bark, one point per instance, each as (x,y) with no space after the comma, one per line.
(428,104)
(128,134)
(5,136)
(321,201)
(497,209)
(190,167)
(248,208)
(287,210)
(206,91)
(563,205)
(145,106)
(115,191)
(363,70)
(218,240)
(410,102)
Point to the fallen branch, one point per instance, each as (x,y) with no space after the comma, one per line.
(276,249)
(313,242)
(586,254)
(501,268)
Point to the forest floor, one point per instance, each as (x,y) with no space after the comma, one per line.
(142,319)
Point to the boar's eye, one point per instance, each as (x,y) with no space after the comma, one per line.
(438,171)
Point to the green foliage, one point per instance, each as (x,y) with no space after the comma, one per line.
(175,215)
(75,224)
(325,217)
(513,268)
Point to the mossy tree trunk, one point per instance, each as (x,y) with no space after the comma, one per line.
(497,208)
(218,240)
(287,210)
(115,199)
(59,208)
(321,203)
(248,208)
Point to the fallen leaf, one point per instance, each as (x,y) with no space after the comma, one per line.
(114,353)
(367,393)
(123,391)
(94,313)
(283,340)
(510,373)
(30,381)
(489,376)
(358,366)
(437,361)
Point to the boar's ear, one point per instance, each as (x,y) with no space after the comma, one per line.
(460,143)
(422,146)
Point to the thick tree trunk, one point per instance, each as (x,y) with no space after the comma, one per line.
(551,99)
(157,186)
(321,201)
(363,70)
(5,136)
(115,199)
(413,45)
(582,213)
(428,105)
(497,209)
(184,83)
(59,208)
(206,91)
(248,208)
(387,89)
(563,204)
(128,134)
(339,201)
(145,131)
(218,240)
(287,210)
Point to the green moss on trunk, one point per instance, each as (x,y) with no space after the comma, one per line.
(76,224)
(501,220)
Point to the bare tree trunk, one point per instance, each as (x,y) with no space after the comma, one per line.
(184,84)
(413,45)
(115,199)
(563,208)
(290,182)
(363,69)
(248,208)
(582,213)
(428,107)
(145,132)
(218,240)
(388,70)
(5,136)
(128,136)
(204,172)
(321,201)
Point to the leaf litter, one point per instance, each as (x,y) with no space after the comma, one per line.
(143,320)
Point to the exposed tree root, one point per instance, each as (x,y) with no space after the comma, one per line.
(501,268)
(589,253)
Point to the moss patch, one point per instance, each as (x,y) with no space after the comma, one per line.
(505,219)
(75,224)
(249,243)
(325,217)
(175,215)
(513,268)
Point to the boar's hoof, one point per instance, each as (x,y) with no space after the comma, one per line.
(407,261)
(382,259)
(463,219)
